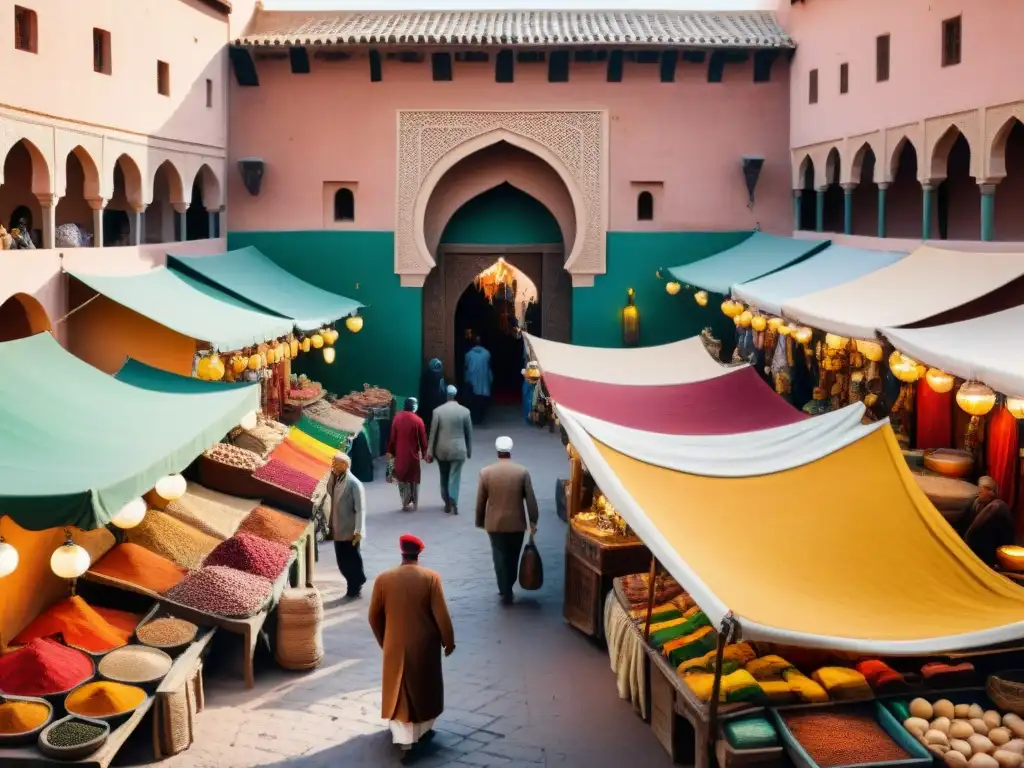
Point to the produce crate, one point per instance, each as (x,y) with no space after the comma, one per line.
(919,756)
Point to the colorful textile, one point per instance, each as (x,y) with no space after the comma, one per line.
(691,646)
(806,689)
(934,419)
(738,686)
(678,628)
(939,675)
(336,438)
(1001,453)
(311,444)
(778,691)
(768,668)
(733,657)
(843,683)
(295,457)
(880,676)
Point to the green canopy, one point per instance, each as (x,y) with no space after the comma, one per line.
(249,274)
(190,306)
(76,444)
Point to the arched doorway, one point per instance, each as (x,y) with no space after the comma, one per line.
(25,174)
(22,315)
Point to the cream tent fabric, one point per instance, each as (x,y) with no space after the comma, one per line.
(986,348)
(842,552)
(926,283)
(681,362)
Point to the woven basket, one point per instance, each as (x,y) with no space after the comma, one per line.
(1006,689)
(252,443)
(300,636)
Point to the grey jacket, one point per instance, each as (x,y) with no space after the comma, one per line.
(451,433)
(348,507)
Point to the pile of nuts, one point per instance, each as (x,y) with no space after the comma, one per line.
(233,456)
(251,554)
(222,591)
(966,734)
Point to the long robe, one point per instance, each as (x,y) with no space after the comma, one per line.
(410,620)
(407,443)
(432,393)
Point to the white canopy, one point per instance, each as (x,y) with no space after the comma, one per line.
(986,348)
(926,283)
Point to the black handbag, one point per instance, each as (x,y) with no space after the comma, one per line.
(531,569)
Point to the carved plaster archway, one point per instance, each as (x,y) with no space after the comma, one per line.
(573,143)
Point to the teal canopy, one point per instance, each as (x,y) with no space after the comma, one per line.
(248,274)
(190,307)
(757,256)
(76,444)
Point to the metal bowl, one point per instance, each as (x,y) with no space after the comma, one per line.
(77,752)
(1011,558)
(25,737)
(949,462)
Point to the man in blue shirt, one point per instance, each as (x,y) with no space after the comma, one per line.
(479,378)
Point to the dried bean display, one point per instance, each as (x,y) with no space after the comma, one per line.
(135,664)
(223,592)
(251,554)
(233,456)
(848,737)
(272,525)
(170,538)
(167,632)
(73,733)
(280,474)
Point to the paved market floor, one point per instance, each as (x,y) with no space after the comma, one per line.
(522,689)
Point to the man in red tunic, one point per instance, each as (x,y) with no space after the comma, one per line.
(406,446)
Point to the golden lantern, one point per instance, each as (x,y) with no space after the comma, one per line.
(904,368)
(293,345)
(132,513)
(630,321)
(775,323)
(330,336)
(803,335)
(758,323)
(239,364)
(354,323)
(305,345)
(271,355)
(835,341)
(216,370)
(329,353)
(871,350)
(701,297)
(532,372)
(784,330)
(744,319)
(1015,405)
(672,287)
(939,381)
(203,369)
(255,362)
(317,341)
(70,560)
(975,398)
(731,308)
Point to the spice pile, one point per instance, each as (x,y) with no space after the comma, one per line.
(274,526)
(233,456)
(360,403)
(280,474)
(209,511)
(223,591)
(96,630)
(73,733)
(251,554)
(22,716)
(334,418)
(103,699)
(135,664)
(43,667)
(167,632)
(137,565)
(847,737)
(172,539)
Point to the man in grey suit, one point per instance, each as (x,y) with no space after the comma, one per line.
(451,443)
(348,522)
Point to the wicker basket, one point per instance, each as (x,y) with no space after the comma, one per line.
(300,636)
(174,721)
(1006,689)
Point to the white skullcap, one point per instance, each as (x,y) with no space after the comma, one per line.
(988,482)
(342,457)
(503,444)
(452,391)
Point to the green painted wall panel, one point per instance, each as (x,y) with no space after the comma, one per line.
(503,215)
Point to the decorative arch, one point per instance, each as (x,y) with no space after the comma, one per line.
(997,148)
(833,166)
(42,177)
(800,169)
(174,182)
(91,171)
(939,160)
(574,144)
(213,196)
(22,315)
(897,150)
(133,186)
(857,164)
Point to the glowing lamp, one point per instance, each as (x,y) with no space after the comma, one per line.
(203,369)
(744,319)
(8,558)
(532,372)
(939,381)
(758,323)
(217,370)
(732,308)
(330,336)
(255,362)
(701,297)
(630,321)
(672,287)
(329,354)
(69,561)
(249,421)
(784,330)
(872,350)
(317,341)
(354,323)
(803,335)
(775,323)
(171,487)
(835,341)
(271,356)
(132,513)
(904,368)
(1015,405)
(305,345)
(239,364)
(293,345)
(975,398)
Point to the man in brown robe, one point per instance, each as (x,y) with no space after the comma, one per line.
(410,620)
(990,524)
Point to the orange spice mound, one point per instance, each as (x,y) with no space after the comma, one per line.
(137,565)
(97,630)
(272,525)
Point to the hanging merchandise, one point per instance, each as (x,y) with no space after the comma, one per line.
(701,297)
(329,353)
(354,323)
(976,399)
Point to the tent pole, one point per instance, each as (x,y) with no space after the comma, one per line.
(650,598)
(724,636)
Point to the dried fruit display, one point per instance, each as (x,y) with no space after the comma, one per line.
(361,403)
(280,474)
(233,456)
(251,554)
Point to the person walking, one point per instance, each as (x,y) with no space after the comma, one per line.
(409,617)
(451,443)
(407,444)
(479,378)
(504,490)
(348,522)
(432,389)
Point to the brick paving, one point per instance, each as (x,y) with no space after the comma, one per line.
(522,689)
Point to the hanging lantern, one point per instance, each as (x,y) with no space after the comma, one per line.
(70,560)
(803,335)
(254,362)
(975,398)
(1015,405)
(271,356)
(532,372)
(630,321)
(672,287)
(293,345)
(216,370)
(701,297)
(871,350)
(172,487)
(904,368)
(759,322)
(249,421)
(239,363)
(317,341)
(744,318)
(8,558)
(132,513)
(330,336)
(835,341)
(939,381)
(775,323)
(784,330)
(732,308)
(329,354)
(354,323)
(305,345)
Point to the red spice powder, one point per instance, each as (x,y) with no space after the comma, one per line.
(43,667)
(251,554)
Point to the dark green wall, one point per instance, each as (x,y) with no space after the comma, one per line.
(503,215)
(632,261)
(360,265)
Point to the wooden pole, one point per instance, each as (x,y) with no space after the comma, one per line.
(724,635)
(650,598)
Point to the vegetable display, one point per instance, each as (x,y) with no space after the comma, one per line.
(967,735)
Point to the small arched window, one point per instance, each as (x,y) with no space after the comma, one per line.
(344,205)
(645,206)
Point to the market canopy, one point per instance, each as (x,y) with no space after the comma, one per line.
(833,266)
(190,307)
(843,551)
(250,275)
(675,363)
(919,288)
(76,444)
(986,348)
(758,255)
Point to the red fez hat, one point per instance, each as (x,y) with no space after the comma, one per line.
(410,543)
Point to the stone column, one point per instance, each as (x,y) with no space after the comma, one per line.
(798,195)
(819,209)
(213,215)
(48,206)
(927,203)
(882,187)
(848,208)
(138,225)
(988,210)
(180,209)
(98,206)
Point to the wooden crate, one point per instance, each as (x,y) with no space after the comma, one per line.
(582,603)
(663,713)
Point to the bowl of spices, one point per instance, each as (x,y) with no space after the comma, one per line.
(105,700)
(72,738)
(22,718)
(135,665)
(168,633)
(45,669)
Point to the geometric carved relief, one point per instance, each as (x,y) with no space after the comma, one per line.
(574,143)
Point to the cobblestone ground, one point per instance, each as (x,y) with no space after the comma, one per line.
(522,689)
